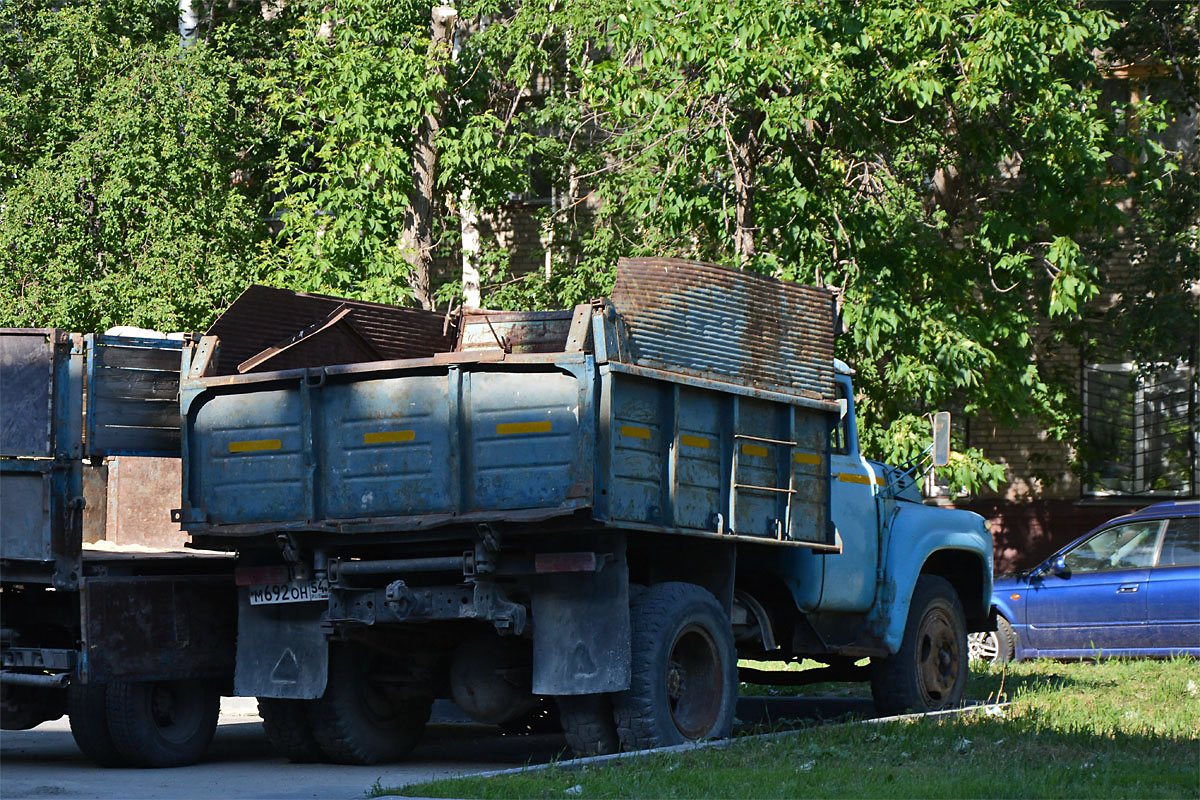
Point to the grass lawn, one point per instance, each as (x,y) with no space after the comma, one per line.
(1098,730)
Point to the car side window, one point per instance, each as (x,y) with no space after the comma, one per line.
(1181,544)
(1128,546)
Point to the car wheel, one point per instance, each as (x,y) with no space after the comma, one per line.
(981,646)
(1006,641)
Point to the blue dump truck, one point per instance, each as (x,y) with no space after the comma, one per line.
(136,644)
(605,507)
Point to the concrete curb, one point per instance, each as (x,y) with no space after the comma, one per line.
(580,763)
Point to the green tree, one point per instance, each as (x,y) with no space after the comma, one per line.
(129,189)
(942,167)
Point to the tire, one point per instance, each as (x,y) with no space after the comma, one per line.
(362,719)
(87,711)
(1006,641)
(162,723)
(683,682)
(930,670)
(588,723)
(286,725)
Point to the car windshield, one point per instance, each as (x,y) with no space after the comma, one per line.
(1128,546)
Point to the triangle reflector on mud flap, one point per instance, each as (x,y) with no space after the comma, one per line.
(286,669)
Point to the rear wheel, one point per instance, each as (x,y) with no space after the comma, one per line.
(365,718)
(930,670)
(683,682)
(286,724)
(87,710)
(162,723)
(587,722)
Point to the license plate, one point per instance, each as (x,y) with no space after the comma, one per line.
(291,592)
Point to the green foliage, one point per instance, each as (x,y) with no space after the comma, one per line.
(944,167)
(124,189)
(954,170)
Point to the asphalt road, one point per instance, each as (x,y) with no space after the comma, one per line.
(44,762)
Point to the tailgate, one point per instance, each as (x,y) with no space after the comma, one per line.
(355,444)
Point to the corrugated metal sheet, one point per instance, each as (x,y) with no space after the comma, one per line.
(263,318)
(724,324)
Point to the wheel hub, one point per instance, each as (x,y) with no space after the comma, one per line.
(938,658)
(693,681)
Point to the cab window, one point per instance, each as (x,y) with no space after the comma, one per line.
(839,437)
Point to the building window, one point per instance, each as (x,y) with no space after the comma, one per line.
(1140,435)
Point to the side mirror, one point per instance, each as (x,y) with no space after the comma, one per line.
(941,438)
(1057,567)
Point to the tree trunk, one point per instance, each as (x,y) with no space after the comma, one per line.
(469,222)
(745,165)
(189,22)
(417,238)
(743,158)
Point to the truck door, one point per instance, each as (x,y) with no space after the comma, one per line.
(847,585)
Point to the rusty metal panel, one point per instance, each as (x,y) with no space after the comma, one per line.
(331,341)
(158,627)
(263,318)
(516,332)
(727,325)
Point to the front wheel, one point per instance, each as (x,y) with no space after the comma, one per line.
(929,672)
(683,682)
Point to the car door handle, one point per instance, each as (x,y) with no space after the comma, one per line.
(1128,588)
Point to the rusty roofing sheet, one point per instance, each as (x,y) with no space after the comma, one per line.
(724,324)
(263,317)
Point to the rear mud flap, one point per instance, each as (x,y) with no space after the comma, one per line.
(581,628)
(282,651)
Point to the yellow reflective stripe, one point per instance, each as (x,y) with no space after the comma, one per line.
(387,437)
(255,445)
(807,458)
(510,428)
(635,431)
(754,450)
(694,441)
(854,477)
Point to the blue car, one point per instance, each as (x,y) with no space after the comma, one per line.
(1129,588)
